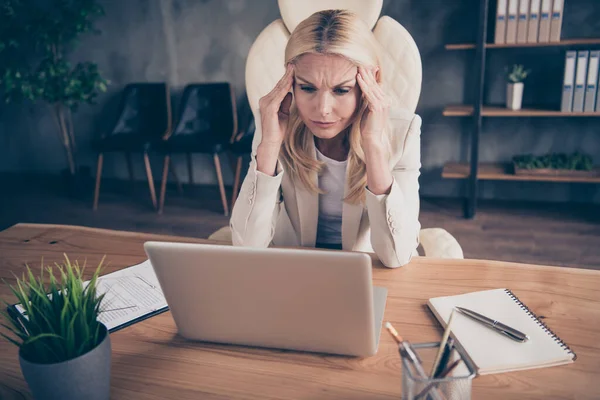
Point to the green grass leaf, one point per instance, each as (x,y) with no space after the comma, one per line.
(61,314)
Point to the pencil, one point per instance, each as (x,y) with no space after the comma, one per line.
(407,351)
(393,332)
(442,348)
(447,371)
(445,357)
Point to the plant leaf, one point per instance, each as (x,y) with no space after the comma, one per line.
(61,317)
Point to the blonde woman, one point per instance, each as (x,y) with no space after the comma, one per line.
(334,165)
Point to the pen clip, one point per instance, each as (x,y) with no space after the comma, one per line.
(511,335)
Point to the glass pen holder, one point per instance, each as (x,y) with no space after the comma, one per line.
(417,383)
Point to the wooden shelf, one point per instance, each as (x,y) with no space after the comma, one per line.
(497,111)
(461,46)
(566,42)
(458,111)
(503,172)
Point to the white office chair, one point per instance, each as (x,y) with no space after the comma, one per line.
(400,61)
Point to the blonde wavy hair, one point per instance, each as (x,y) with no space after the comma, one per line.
(334,32)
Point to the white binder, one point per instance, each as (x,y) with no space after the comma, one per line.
(544,31)
(592,82)
(500,35)
(566,104)
(534,21)
(556,20)
(511,23)
(580,80)
(523,21)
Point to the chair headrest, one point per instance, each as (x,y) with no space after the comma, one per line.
(293,11)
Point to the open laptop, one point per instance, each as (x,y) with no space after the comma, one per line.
(309,300)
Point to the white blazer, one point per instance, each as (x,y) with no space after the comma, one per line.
(274,210)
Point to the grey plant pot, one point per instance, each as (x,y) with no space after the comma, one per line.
(85,377)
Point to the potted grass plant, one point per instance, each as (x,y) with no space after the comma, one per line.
(514,88)
(64,351)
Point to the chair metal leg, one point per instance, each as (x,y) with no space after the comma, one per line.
(163,184)
(98,177)
(129,167)
(190,169)
(150,179)
(221,185)
(236,181)
(177,181)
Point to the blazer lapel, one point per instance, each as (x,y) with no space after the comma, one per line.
(308,209)
(351,215)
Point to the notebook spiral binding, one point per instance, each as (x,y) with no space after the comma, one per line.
(541,323)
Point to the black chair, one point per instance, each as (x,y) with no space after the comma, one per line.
(207,121)
(144,117)
(241,146)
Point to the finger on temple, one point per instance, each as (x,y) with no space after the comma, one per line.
(286,104)
(285,88)
(363,85)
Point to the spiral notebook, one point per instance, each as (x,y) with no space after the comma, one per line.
(492,352)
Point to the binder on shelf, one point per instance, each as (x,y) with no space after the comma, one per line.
(566,104)
(544,31)
(500,35)
(523,21)
(556,20)
(511,21)
(534,21)
(592,82)
(597,108)
(580,80)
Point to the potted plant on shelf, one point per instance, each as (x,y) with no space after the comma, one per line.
(64,351)
(555,164)
(514,88)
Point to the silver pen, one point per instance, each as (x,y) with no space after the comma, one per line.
(496,325)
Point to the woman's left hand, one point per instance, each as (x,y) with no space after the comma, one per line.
(378,104)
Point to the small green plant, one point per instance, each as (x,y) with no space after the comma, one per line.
(60,321)
(576,161)
(517,74)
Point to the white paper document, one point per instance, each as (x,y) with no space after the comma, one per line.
(129,294)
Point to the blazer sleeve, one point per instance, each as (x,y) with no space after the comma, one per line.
(256,210)
(394,217)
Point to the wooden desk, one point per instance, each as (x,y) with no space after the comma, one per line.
(151,362)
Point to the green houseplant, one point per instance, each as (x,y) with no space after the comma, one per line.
(557,164)
(515,76)
(35,40)
(64,351)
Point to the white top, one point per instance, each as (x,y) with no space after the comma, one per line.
(331,181)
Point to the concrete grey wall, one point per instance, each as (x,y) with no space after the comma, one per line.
(183,41)
(176,41)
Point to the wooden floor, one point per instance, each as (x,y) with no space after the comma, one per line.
(548,234)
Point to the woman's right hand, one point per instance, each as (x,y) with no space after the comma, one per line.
(274,115)
(275,110)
